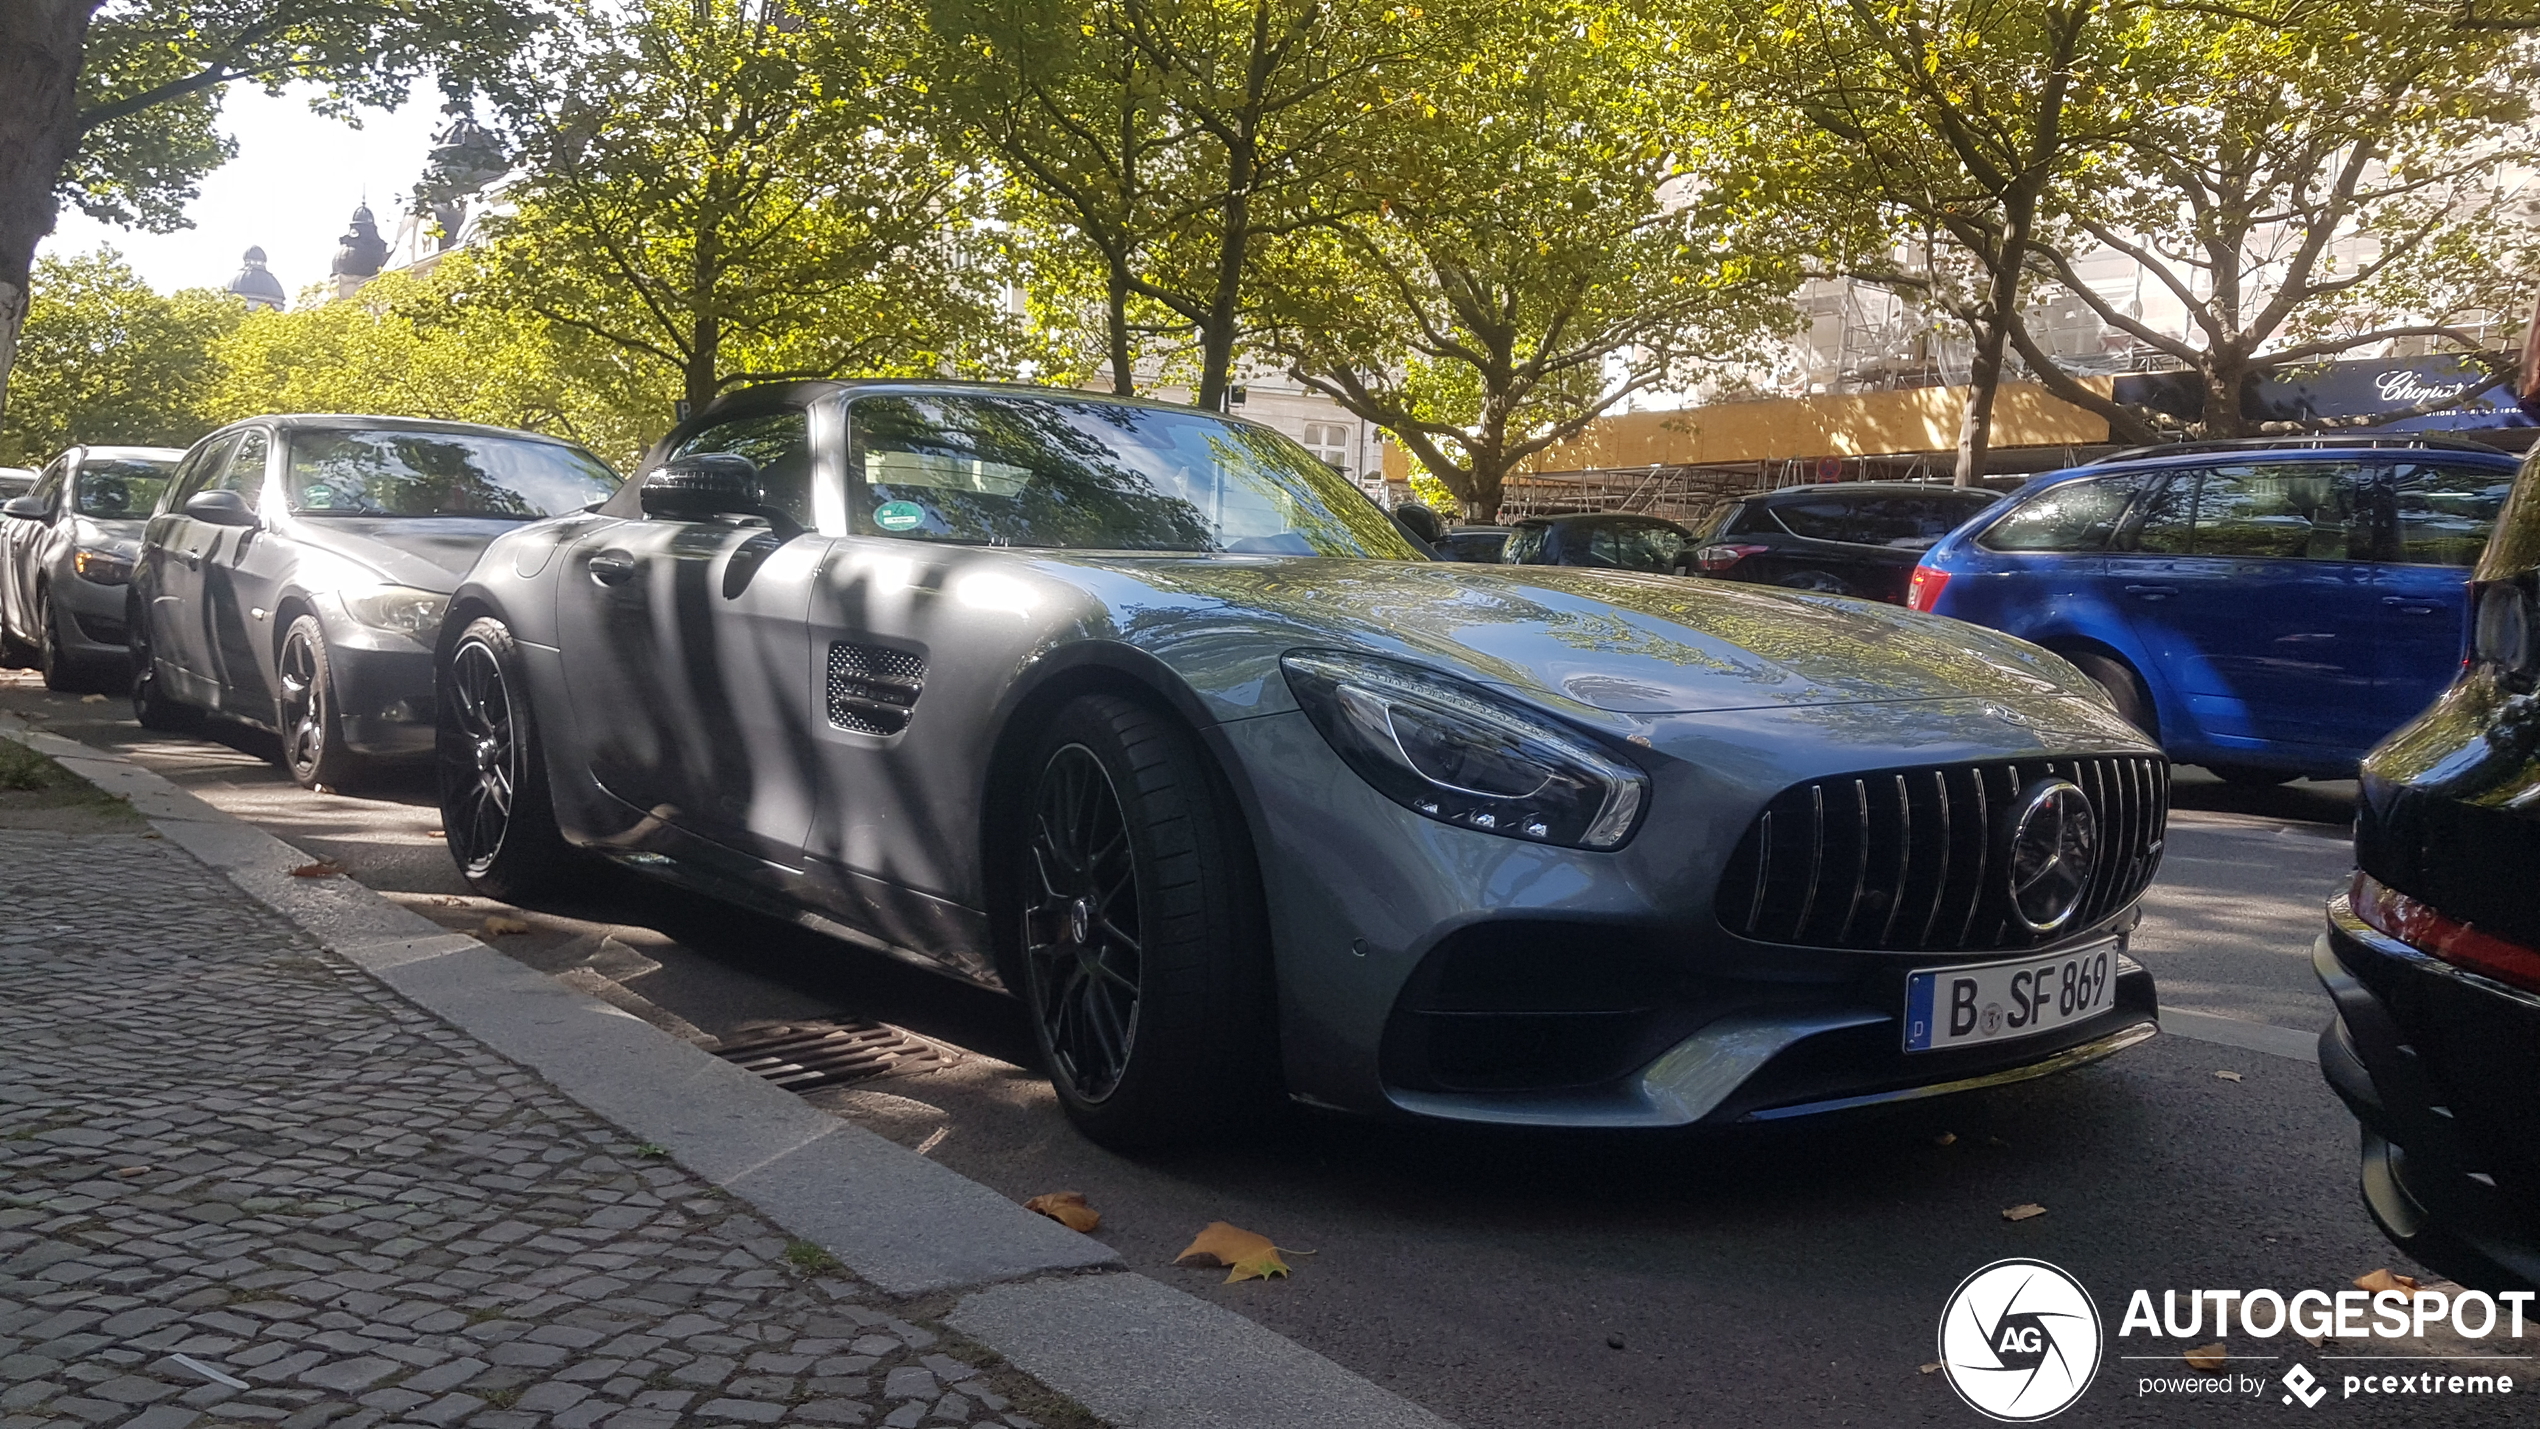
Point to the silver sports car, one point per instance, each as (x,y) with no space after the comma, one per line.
(1154,720)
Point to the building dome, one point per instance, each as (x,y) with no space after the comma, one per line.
(259,287)
(360,251)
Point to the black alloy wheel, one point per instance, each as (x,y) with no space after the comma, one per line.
(2122,686)
(1138,919)
(1081,925)
(313,751)
(61,672)
(495,808)
(151,703)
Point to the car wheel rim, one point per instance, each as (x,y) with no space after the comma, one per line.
(484,768)
(303,705)
(1080,924)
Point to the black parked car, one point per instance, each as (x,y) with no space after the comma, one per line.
(1603,540)
(1860,538)
(2433,955)
(1481,544)
(295,572)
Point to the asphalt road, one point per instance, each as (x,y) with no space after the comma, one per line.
(1792,1276)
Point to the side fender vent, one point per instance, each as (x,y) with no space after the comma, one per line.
(871,688)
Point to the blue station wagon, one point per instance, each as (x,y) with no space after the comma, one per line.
(2267,610)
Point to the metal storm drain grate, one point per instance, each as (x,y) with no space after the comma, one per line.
(815,1054)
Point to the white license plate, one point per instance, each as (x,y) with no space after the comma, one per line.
(2003,1002)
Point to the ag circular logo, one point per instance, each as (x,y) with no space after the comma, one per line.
(2054,846)
(2019,1340)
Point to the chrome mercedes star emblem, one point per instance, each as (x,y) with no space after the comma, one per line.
(2054,846)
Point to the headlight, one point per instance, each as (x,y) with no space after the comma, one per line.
(103,567)
(399,608)
(1461,756)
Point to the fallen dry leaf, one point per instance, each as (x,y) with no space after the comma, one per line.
(1946,1138)
(1068,1208)
(437,834)
(2208,1358)
(92,699)
(1932,1368)
(1246,1255)
(2226,1076)
(132,1170)
(2380,1280)
(2025,1211)
(499,926)
(1996,1141)
(323,868)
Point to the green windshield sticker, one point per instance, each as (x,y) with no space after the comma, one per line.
(899,515)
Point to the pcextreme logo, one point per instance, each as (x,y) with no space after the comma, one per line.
(2020,1340)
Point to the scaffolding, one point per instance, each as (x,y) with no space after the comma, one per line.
(1691,494)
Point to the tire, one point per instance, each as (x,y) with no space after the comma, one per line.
(61,670)
(2123,687)
(2251,776)
(496,808)
(1143,944)
(151,703)
(304,710)
(1818,581)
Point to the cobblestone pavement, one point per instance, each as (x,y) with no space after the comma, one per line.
(242,1183)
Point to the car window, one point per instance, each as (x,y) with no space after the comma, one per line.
(1092,475)
(120,487)
(1634,546)
(1525,546)
(48,484)
(1913,521)
(407,473)
(203,460)
(779,442)
(2068,516)
(2286,511)
(2441,515)
(1825,519)
(244,472)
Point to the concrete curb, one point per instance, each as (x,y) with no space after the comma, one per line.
(1141,1354)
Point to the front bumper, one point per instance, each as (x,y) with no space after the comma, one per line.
(91,615)
(1447,973)
(383,694)
(2431,1175)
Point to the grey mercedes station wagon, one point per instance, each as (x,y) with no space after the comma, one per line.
(1149,717)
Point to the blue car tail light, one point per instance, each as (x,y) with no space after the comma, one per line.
(1452,752)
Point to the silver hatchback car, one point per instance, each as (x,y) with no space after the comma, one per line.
(66,554)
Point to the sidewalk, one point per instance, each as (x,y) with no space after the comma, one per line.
(241,1182)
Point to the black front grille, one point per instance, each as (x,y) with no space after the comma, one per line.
(872,689)
(1914,858)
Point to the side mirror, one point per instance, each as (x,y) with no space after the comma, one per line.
(26,508)
(704,485)
(219,508)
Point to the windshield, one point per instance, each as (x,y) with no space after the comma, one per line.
(1094,475)
(394,473)
(122,488)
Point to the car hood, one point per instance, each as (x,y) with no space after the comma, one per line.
(1617,641)
(427,552)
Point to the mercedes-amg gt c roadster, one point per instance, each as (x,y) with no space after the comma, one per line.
(1152,719)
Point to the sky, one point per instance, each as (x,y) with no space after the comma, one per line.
(290,191)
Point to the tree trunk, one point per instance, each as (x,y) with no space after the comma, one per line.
(1124,380)
(1481,507)
(41,42)
(1975,421)
(1217,335)
(2226,375)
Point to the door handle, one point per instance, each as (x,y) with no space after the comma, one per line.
(2152,592)
(611,567)
(2408,606)
(193,559)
